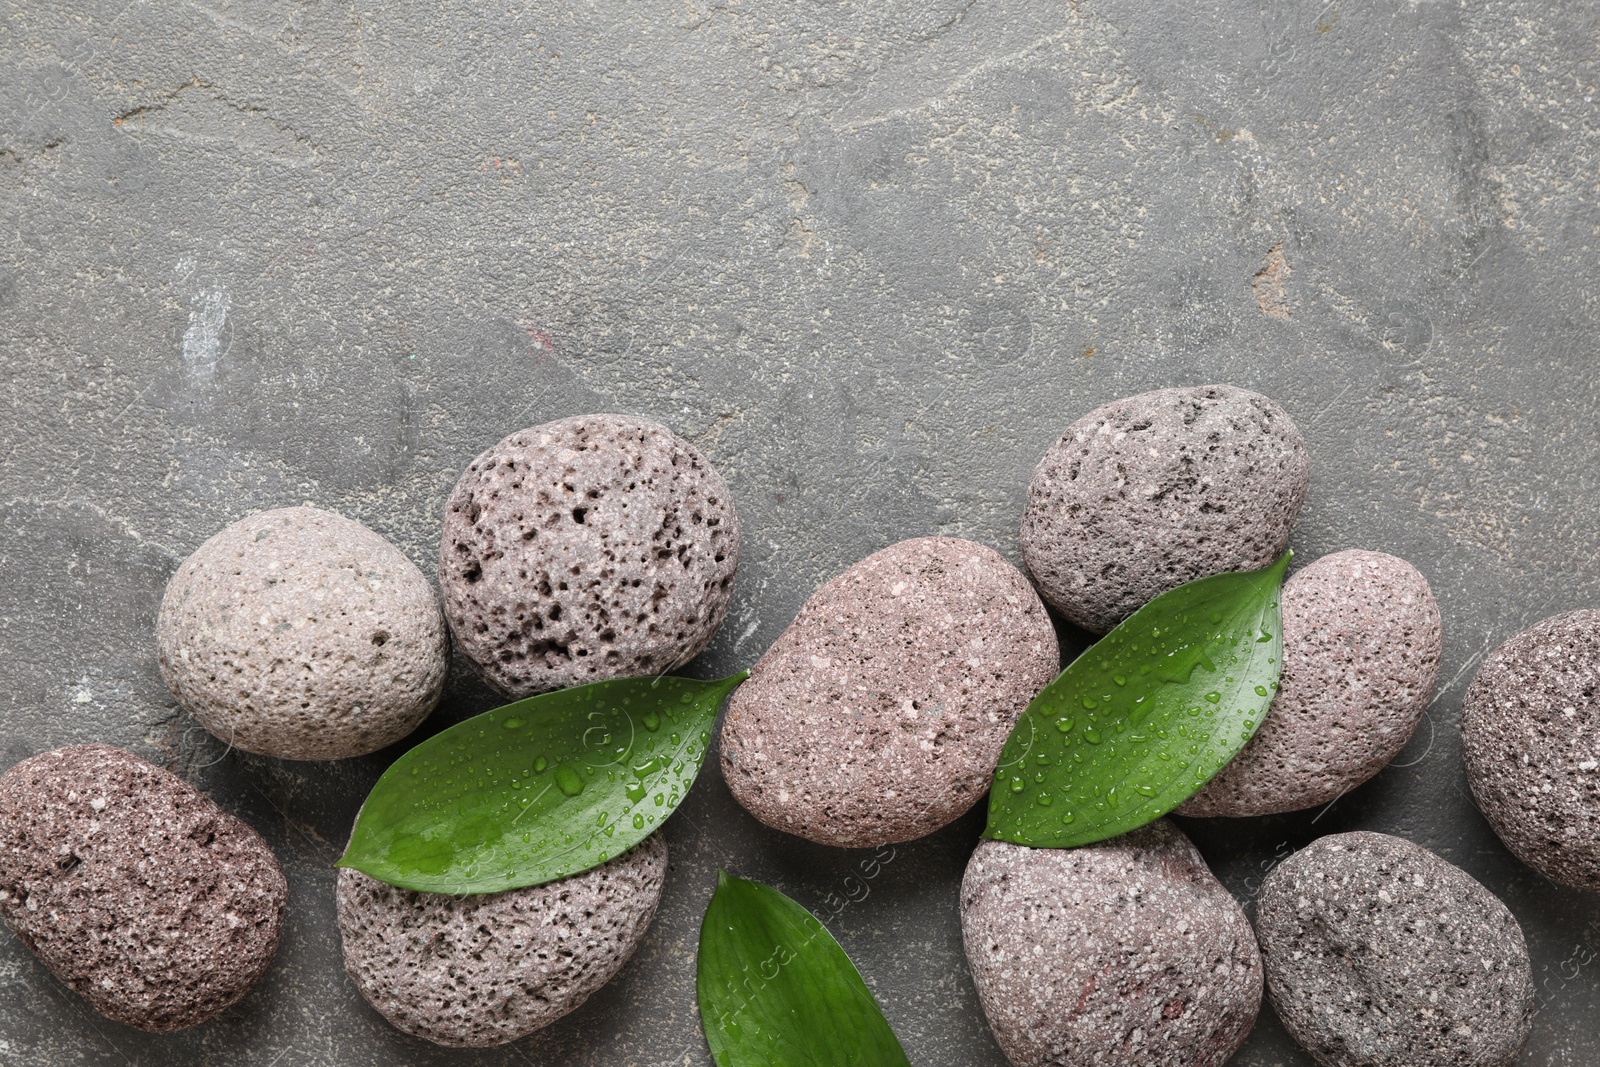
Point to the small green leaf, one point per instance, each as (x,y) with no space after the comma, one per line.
(776,990)
(539,789)
(1145,717)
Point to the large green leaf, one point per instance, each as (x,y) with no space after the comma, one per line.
(1145,717)
(539,789)
(776,990)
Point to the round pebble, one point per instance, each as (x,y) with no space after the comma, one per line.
(300,634)
(1128,952)
(1380,954)
(476,971)
(1147,493)
(879,714)
(1361,644)
(136,891)
(1530,736)
(596,547)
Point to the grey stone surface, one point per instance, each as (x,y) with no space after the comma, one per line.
(1361,646)
(478,971)
(1127,953)
(157,907)
(870,258)
(301,634)
(1380,954)
(1530,738)
(878,716)
(1148,492)
(595,547)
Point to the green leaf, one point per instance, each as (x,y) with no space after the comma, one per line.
(1145,717)
(776,990)
(539,789)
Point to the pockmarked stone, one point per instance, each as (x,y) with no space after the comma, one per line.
(1127,953)
(301,634)
(476,971)
(1361,645)
(1155,490)
(595,547)
(879,714)
(1530,736)
(134,888)
(1380,954)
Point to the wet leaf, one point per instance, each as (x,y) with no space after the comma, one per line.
(776,990)
(537,790)
(1145,717)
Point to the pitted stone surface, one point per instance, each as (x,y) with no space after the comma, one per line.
(301,634)
(139,893)
(879,714)
(1380,954)
(1127,953)
(595,547)
(1361,645)
(1530,736)
(1149,492)
(476,971)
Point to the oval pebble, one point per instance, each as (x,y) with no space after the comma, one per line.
(1530,737)
(595,547)
(476,971)
(136,891)
(1128,952)
(301,634)
(1361,645)
(879,714)
(1155,490)
(1380,954)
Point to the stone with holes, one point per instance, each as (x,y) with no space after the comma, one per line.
(301,634)
(476,971)
(596,547)
(1147,493)
(1361,644)
(1380,954)
(139,893)
(879,714)
(1128,953)
(1530,735)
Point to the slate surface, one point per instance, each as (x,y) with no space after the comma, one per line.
(871,257)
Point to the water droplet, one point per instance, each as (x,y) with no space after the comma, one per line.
(1164,755)
(1042,760)
(1090,702)
(1091,735)
(567,781)
(636,792)
(1261,690)
(514,723)
(1065,725)
(1067,816)
(540,764)
(1213,697)
(1249,724)
(1017,786)
(652,721)
(1216,616)
(638,822)
(1045,800)
(1119,679)
(1148,790)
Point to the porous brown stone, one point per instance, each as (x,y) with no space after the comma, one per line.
(1530,736)
(879,714)
(139,893)
(301,634)
(1380,954)
(1127,953)
(1361,645)
(1155,490)
(595,547)
(476,971)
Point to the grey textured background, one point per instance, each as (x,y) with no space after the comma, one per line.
(871,256)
